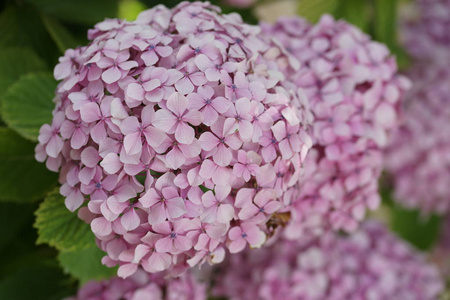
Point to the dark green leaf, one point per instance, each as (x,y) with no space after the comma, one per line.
(59,227)
(80,11)
(85,264)
(21,26)
(423,232)
(37,282)
(13,218)
(312,10)
(15,62)
(27,104)
(60,35)
(22,178)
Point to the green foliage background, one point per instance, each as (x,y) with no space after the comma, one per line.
(43,246)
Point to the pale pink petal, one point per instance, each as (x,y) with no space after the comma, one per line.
(177,103)
(90,112)
(165,245)
(129,125)
(130,220)
(132,143)
(111,163)
(237,245)
(184,133)
(111,75)
(157,215)
(127,270)
(182,244)
(101,227)
(208,141)
(175,207)
(164,120)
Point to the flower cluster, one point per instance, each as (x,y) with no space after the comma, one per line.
(175,136)
(142,285)
(354,94)
(418,157)
(369,264)
(424,29)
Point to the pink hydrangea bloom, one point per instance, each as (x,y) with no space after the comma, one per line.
(424,29)
(354,93)
(158,127)
(144,286)
(418,157)
(372,263)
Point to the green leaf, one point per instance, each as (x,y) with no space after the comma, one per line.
(356,12)
(21,26)
(13,218)
(129,9)
(421,231)
(85,264)
(312,10)
(385,22)
(15,62)
(80,11)
(27,104)
(59,227)
(60,35)
(22,178)
(37,282)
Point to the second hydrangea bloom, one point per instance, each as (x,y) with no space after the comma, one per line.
(354,94)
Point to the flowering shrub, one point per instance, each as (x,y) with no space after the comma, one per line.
(177,133)
(143,286)
(418,157)
(354,93)
(369,264)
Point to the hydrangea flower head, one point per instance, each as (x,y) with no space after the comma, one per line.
(143,286)
(175,136)
(424,29)
(372,263)
(354,95)
(418,157)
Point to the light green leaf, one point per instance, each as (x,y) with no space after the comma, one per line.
(22,178)
(85,264)
(129,9)
(27,104)
(59,227)
(59,33)
(312,10)
(81,11)
(15,62)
